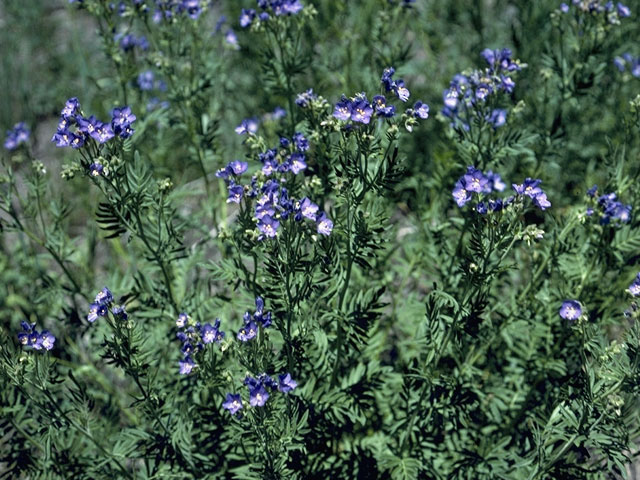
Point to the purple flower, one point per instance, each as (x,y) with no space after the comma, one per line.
(62,138)
(248,331)
(300,141)
(495,182)
(231,38)
(248,126)
(119,311)
(121,120)
(570,310)
(634,288)
(104,297)
(235,193)
(305,98)
(475,180)
(387,78)
(592,191)
(529,188)
(541,201)
(233,403)
(286,383)
(381,107)
(47,339)
(324,225)
(246,17)
(497,118)
(343,109)
(361,110)
(623,10)
(17,135)
(460,193)
(103,133)
(182,320)
(95,169)
(401,91)
(297,162)
(421,110)
(279,113)
(208,333)
(268,226)
(187,365)
(564,8)
(96,311)
(258,396)
(308,209)
(70,108)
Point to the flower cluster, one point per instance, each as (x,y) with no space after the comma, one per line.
(305,98)
(613,12)
(248,126)
(358,109)
(258,393)
(17,135)
(626,59)
(634,288)
(468,93)
(474,181)
(100,305)
(268,8)
(273,201)
(479,183)
(570,310)
(194,337)
(30,337)
(91,128)
(170,9)
(531,188)
(129,42)
(250,328)
(608,207)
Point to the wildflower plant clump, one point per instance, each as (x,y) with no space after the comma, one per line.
(293,239)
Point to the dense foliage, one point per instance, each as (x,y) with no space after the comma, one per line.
(319,239)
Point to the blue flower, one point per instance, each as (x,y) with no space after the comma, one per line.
(233,403)
(70,108)
(30,337)
(186,365)
(564,8)
(95,169)
(121,120)
(381,107)
(460,193)
(246,17)
(387,78)
(17,135)
(258,396)
(300,141)
(421,110)
(623,10)
(145,80)
(248,331)
(324,225)
(297,162)
(497,118)
(182,320)
(475,180)
(401,91)
(308,209)
(361,110)
(104,297)
(247,126)
(286,383)
(570,310)
(268,226)
(634,288)
(235,193)
(305,98)
(529,187)
(343,109)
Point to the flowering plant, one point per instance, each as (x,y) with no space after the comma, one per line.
(284,239)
